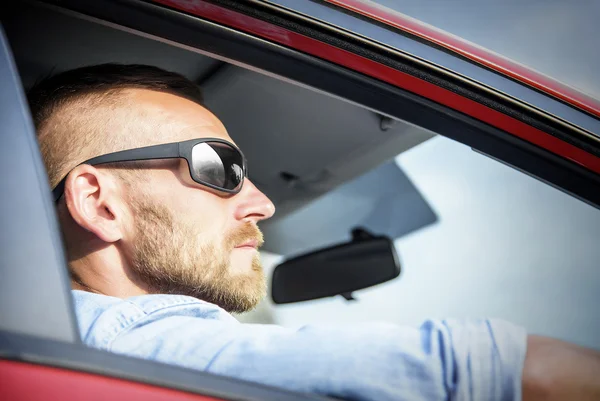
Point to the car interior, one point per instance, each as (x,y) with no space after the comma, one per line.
(309,149)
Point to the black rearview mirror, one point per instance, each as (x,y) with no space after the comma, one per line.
(365,261)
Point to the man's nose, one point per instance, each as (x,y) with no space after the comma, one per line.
(253,204)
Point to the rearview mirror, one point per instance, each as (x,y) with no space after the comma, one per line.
(365,261)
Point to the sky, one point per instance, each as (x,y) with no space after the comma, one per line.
(555,37)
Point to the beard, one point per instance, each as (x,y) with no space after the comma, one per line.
(169,258)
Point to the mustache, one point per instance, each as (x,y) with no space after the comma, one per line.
(247,232)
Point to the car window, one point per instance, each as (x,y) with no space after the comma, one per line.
(483,239)
(503,245)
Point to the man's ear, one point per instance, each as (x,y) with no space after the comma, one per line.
(93,200)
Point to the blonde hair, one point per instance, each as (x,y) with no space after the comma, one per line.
(80,114)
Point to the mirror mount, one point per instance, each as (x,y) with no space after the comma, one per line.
(358,234)
(348,296)
(361,234)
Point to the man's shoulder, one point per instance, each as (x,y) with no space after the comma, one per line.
(102,318)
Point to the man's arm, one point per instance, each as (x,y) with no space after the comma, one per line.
(440,360)
(457,360)
(556,370)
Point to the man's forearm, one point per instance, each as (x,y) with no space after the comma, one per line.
(556,370)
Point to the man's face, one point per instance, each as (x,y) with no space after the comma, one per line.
(182,237)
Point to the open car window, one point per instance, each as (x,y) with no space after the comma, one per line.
(329,165)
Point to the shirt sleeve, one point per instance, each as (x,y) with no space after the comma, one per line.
(440,360)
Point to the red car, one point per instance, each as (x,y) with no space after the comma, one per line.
(316,93)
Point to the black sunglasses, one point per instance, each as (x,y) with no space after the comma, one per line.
(213,162)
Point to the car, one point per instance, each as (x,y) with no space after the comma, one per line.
(322,96)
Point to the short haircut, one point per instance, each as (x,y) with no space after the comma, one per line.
(82,91)
(52,91)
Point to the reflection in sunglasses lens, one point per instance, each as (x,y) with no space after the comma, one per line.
(218,164)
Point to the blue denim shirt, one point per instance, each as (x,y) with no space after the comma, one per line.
(440,360)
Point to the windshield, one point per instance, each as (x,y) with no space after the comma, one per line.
(554,37)
(498,242)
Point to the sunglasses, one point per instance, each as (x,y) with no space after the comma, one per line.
(213,162)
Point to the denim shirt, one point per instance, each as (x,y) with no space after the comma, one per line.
(440,360)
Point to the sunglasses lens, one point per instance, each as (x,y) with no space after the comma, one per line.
(218,164)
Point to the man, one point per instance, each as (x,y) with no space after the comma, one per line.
(160,225)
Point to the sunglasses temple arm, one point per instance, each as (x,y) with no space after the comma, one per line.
(163,151)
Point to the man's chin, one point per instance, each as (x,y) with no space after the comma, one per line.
(244,291)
